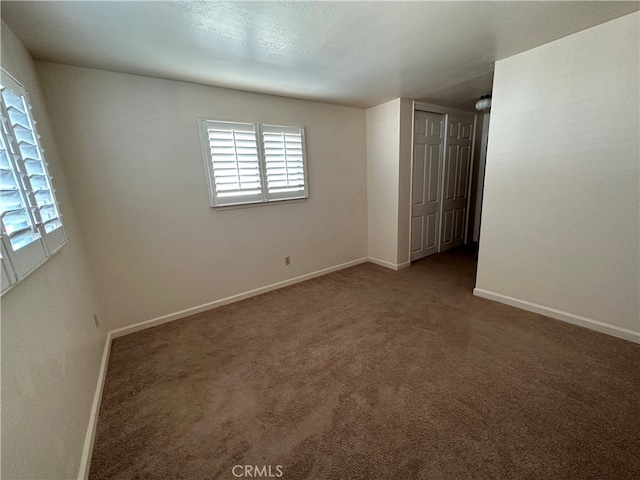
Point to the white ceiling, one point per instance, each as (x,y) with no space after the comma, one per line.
(350,53)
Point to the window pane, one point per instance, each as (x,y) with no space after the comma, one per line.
(52,225)
(23,239)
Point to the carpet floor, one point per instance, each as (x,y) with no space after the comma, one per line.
(367,373)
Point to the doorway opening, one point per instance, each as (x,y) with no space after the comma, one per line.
(448,164)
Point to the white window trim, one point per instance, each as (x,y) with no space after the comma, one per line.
(52,242)
(264,198)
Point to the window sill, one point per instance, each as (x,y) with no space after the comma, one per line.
(51,255)
(236,206)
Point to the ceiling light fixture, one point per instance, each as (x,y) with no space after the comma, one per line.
(484,103)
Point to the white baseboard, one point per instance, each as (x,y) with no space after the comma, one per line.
(85,462)
(392,266)
(225,301)
(596,325)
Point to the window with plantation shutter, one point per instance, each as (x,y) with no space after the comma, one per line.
(31,221)
(250,163)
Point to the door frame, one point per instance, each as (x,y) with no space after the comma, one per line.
(446,111)
(482,160)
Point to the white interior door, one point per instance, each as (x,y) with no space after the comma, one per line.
(428,146)
(457,163)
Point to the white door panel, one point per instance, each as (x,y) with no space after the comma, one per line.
(428,145)
(417,234)
(431,241)
(457,165)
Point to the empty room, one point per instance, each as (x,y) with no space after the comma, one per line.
(320,240)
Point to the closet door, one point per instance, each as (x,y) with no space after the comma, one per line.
(428,146)
(457,166)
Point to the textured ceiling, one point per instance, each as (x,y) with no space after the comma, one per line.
(350,53)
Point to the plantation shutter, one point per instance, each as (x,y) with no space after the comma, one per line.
(234,164)
(253,163)
(284,161)
(31,222)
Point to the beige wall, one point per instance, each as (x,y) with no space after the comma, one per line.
(134,158)
(389,138)
(383,146)
(51,350)
(560,222)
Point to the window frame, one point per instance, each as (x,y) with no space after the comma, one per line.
(264,197)
(18,264)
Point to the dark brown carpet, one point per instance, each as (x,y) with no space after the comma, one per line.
(368,374)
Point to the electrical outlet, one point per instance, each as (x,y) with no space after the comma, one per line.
(287,260)
(96,321)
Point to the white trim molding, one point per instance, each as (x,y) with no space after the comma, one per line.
(392,266)
(561,315)
(251,293)
(430,107)
(85,461)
